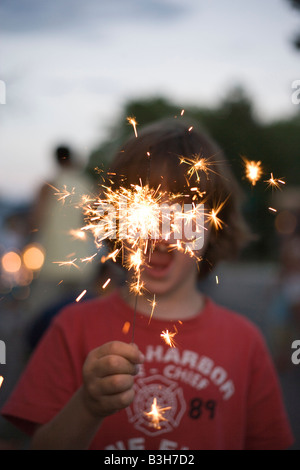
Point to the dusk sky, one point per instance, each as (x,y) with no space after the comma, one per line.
(69,66)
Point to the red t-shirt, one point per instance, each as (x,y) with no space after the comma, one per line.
(218,385)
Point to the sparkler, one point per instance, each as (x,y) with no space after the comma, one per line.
(156,415)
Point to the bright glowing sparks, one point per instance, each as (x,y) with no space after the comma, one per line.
(156,415)
(1,380)
(197,164)
(63,194)
(253,171)
(133,122)
(274,182)
(67,263)
(213,218)
(153,305)
(106,283)
(78,234)
(81,295)
(168,338)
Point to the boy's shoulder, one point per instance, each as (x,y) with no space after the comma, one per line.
(232,322)
(87,309)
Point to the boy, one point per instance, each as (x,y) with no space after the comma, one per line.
(88,387)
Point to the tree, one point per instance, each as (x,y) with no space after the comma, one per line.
(296,4)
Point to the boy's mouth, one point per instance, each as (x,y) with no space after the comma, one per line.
(159,260)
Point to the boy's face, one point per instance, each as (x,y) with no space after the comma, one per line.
(168,269)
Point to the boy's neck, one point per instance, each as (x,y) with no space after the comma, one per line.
(181,304)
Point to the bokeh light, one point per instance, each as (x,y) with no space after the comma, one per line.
(11,262)
(286,223)
(33,257)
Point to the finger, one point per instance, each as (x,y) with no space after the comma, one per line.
(129,351)
(113,365)
(115,384)
(113,403)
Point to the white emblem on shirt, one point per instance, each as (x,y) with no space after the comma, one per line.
(167,394)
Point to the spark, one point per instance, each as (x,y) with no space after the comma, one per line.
(217,280)
(88,258)
(272,209)
(79,234)
(126,327)
(133,122)
(1,380)
(153,305)
(253,170)
(81,295)
(67,263)
(274,182)
(182,112)
(196,165)
(62,194)
(156,415)
(168,338)
(106,283)
(213,218)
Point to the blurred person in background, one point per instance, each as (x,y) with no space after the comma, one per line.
(56,221)
(283,317)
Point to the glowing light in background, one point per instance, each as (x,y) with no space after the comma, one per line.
(11,262)
(33,257)
(285,222)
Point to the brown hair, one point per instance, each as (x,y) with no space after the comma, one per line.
(155,158)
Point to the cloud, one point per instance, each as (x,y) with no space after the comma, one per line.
(43,15)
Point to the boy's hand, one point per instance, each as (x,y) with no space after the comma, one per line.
(108,377)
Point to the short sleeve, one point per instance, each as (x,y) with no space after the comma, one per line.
(46,385)
(267,423)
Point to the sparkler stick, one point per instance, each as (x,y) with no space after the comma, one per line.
(134,318)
